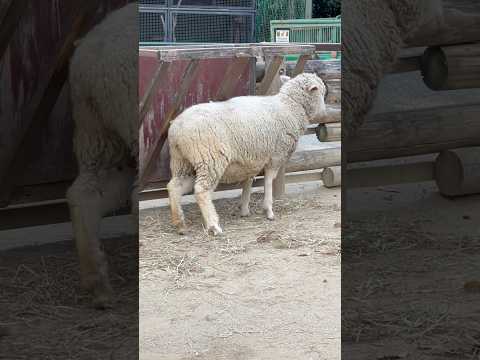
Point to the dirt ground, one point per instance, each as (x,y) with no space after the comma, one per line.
(45,315)
(262,290)
(410,274)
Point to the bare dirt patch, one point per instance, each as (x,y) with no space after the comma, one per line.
(262,290)
(411,273)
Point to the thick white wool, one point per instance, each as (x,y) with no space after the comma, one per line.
(235,140)
(103,81)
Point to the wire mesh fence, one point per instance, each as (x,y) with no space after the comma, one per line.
(276,10)
(212,27)
(213,21)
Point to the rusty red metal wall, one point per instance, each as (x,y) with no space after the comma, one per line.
(204,87)
(26,67)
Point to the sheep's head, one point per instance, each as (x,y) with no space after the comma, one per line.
(310,91)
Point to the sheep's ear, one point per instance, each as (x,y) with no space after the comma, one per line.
(313,88)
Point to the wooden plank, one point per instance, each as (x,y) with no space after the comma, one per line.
(234,72)
(190,73)
(327,47)
(334,115)
(145,104)
(415,132)
(13,13)
(270,73)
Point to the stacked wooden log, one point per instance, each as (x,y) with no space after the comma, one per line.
(447,54)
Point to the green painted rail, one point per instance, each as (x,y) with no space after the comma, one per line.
(322,30)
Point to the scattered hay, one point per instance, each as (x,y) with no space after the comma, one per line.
(48,315)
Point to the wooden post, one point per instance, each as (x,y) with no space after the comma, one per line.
(451,67)
(457,171)
(270,73)
(300,65)
(308,9)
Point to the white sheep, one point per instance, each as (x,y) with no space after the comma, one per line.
(373,32)
(103,84)
(234,140)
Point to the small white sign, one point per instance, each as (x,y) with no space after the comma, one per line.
(282,36)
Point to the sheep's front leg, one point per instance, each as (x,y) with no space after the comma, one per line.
(269,176)
(245,199)
(177,187)
(91,196)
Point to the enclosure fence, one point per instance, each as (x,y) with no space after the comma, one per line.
(268,10)
(202,21)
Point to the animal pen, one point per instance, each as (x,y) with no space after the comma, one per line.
(37,39)
(201,73)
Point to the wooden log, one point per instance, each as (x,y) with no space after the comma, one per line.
(371,176)
(334,115)
(457,171)
(415,132)
(451,67)
(332,176)
(326,69)
(158,191)
(459,24)
(329,132)
(314,159)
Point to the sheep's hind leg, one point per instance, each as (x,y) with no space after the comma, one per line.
(269,176)
(245,199)
(177,187)
(91,196)
(205,184)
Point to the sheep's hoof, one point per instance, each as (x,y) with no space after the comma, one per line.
(102,296)
(215,230)
(182,230)
(270,215)
(102,302)
(244,212)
